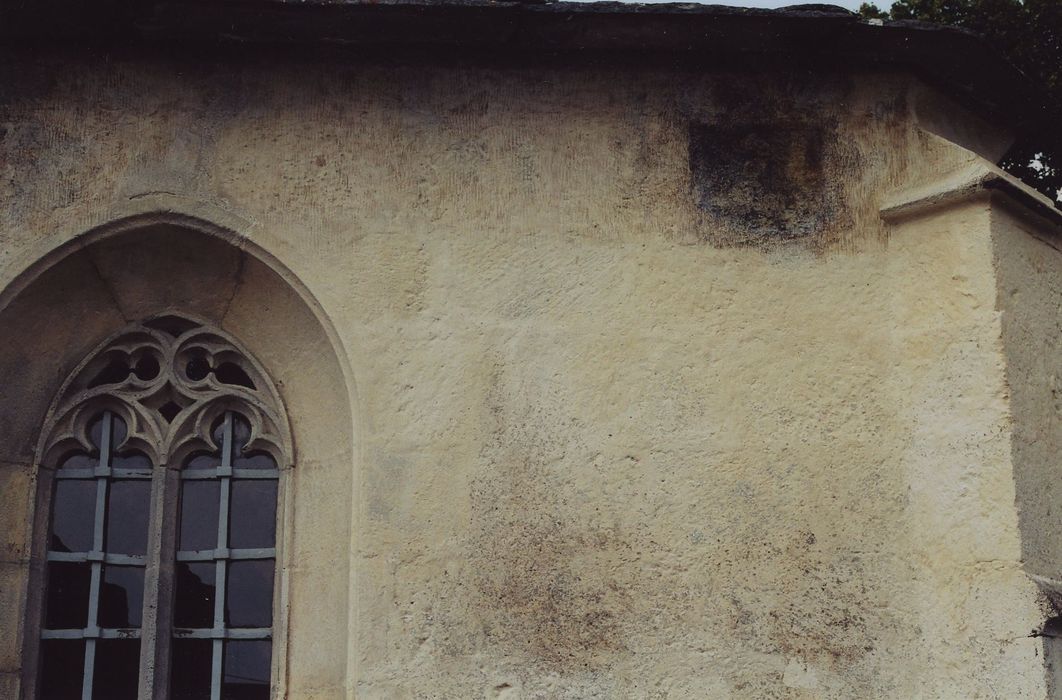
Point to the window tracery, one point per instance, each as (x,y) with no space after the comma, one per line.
(166,449)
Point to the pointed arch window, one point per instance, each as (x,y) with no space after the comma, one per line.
(162,462)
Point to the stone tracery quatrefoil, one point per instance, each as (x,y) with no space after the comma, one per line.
(170,379)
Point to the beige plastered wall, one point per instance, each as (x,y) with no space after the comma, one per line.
(1030,292)
(607,438)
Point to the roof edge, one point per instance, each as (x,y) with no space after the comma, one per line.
(956,60)
(977,178)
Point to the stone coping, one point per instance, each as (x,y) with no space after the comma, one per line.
(712,37)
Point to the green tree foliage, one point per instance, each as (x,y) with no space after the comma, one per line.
(1029,33)
(872,11)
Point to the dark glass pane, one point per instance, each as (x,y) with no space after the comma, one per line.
(73,515)
(232,373)
(114,372)
(121,596)
(131,460)
(199,516)
(252,514)
(254,460)
(241,433)
(245,675)
(146,368)
(127,517)
(62,668)
(68,595)
(197,369)
(96,430)
(190,669)
(169,410)
(194,603)
(117,670)
(118,432)
(202,460)
(218,431)
(79,460)
(249,602)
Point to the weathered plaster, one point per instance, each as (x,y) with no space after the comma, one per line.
(1030,293)
(608,441)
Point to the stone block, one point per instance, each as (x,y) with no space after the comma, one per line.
(17,494)
(9,685)
(12,588)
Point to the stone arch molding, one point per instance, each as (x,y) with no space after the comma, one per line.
(78,304)
(170,379)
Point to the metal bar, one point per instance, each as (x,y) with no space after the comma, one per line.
(223,542)
(67,556)
(124,559)
(122,633)
(115,559)
(243,633)
(242,554)
(259,633)
(75,474)
(199,474)
(215,554)
(215,670)
(256,473)
(90,666)
(105,440)
(101,503)
(62,634)
(91,630)
(101,485)
(143,473)
(219,593)
(97,546)
(199,633)
(130,474)
(206,474)
(85,474)
(226,441)
(201,555)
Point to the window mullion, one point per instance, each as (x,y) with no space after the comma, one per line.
(221,552)
(96,474)
(90,665)
(156,630)
(91,627)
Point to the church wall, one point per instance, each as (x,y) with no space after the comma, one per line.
(650,402)
(1030,294)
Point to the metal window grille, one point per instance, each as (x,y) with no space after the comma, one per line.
(103,476)
(168,424)
(222,557)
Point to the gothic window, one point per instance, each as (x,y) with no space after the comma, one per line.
(163,453)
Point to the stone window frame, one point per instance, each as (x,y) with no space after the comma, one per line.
(194,405)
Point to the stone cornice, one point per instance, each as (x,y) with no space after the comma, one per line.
(977,179)
(816,37)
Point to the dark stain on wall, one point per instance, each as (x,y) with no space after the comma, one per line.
(773,181)
(547,585)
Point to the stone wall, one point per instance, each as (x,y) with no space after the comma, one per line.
(1030,293)
(605,382)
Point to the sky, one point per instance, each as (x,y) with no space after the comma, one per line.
(848,4)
